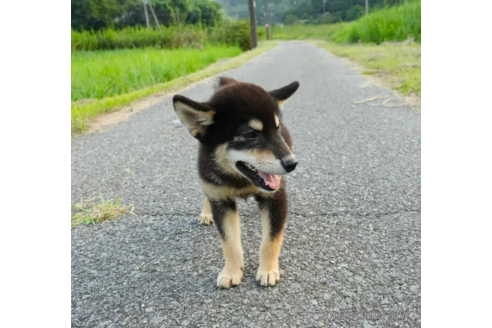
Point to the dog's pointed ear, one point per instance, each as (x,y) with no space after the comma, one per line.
(222,81)
(194,115)
(281,95)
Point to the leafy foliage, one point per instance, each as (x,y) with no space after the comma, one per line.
(99,14)
(396,23)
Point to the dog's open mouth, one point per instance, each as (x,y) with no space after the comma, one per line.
(268,182)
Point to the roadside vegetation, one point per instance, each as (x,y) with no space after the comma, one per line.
(386,42)
(83,110)
(383,24)
(116,59)
(100,74)
(92,212)
(398,64)
(231,33)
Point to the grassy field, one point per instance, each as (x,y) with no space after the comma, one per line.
(398,64)
(303,32)
(395,23)
(103,74)
(108,78)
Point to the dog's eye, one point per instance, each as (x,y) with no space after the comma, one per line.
(250,135)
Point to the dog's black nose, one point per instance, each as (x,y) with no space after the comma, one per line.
(289,164)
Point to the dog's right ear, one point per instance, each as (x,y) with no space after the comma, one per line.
(194,115)
(283,94)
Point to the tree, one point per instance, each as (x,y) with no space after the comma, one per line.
(98,14)
(290,19)
(209,13)
(354,13)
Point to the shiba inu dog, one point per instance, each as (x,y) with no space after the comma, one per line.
(245,150)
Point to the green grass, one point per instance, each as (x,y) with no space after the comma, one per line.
(395,23)
(303,32)
(229,32)
(87,212)
(398,64)
(103,74)
(82,113)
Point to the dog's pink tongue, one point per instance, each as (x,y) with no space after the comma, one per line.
(271,180)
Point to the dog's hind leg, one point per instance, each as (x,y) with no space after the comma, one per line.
(273,218)
(206,217)
(226,218)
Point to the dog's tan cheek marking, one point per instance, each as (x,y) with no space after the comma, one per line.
(220,155)
(268,272)
(206,217)
(232,273)
(256,124)
(277,122)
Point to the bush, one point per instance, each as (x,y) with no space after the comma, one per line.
(354,13)
(290,19)
(228,33)
(232,33)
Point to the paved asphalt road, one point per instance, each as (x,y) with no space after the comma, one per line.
(352,241)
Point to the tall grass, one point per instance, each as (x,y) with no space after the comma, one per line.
(136,37)
(302,32)
(234,33)
(387,24)
(102,74)
(83,112)
(395,23)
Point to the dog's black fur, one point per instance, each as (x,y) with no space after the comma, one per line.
(244,151)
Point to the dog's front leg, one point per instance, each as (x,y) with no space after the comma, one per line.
(273,218)
(226,217)
(206,217)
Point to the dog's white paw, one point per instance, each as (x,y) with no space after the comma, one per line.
(268,278)
(229,278)
(206,219)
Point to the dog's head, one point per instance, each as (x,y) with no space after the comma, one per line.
(241,125)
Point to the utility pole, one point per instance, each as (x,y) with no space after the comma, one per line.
(177,18)
(155,17)
(252,23)
(367,7)
(267,21)
(146,13)
(324,12)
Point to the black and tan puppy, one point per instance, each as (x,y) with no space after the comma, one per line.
(244,151)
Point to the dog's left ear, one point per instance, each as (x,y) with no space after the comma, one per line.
(284,93)
(194,115)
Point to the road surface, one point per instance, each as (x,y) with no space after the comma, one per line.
(351,252)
